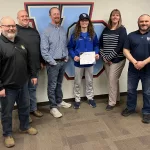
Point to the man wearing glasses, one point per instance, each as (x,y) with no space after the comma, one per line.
(13,80)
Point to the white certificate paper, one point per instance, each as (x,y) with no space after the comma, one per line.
(87,58)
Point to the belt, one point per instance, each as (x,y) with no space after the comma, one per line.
(62,59)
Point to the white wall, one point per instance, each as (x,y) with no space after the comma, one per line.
(130,10)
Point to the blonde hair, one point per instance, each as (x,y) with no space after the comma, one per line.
(120,20)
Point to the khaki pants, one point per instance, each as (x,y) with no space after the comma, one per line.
(113,73)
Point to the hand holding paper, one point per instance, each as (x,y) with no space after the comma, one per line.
(97,56)
(76,58)
(87,58)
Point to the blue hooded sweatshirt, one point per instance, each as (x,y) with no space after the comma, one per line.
(84,43)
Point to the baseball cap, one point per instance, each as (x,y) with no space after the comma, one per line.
(84,16)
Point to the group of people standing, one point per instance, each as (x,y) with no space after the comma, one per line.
(23,52)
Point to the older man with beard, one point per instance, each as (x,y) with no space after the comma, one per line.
(137,51)
(13,80)
(32,38)
(55,53)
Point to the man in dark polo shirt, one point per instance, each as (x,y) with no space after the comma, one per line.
(137,51)
(32,39)
(14,64)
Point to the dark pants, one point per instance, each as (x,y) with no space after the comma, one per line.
(32,94)
(55,77)
(133,80)
(21,97)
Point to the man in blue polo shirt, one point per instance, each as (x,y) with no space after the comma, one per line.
(137,51)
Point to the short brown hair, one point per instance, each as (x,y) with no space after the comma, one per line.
(51,9)
(110,22)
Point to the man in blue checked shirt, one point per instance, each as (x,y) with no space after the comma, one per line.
(55,53)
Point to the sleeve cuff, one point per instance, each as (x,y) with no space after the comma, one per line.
(1,88)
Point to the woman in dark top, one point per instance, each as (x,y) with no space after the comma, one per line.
(111,45)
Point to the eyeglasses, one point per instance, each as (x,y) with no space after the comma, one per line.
(9,26)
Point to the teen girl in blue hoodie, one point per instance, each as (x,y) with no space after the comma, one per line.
(83,40)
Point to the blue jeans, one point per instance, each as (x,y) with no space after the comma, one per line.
(32,94)
(21,97)
(133,80)
(55,77)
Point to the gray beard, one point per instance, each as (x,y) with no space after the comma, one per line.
(148,29)
(10,37)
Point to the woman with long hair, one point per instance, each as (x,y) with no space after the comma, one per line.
(111,45)
(84,39)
